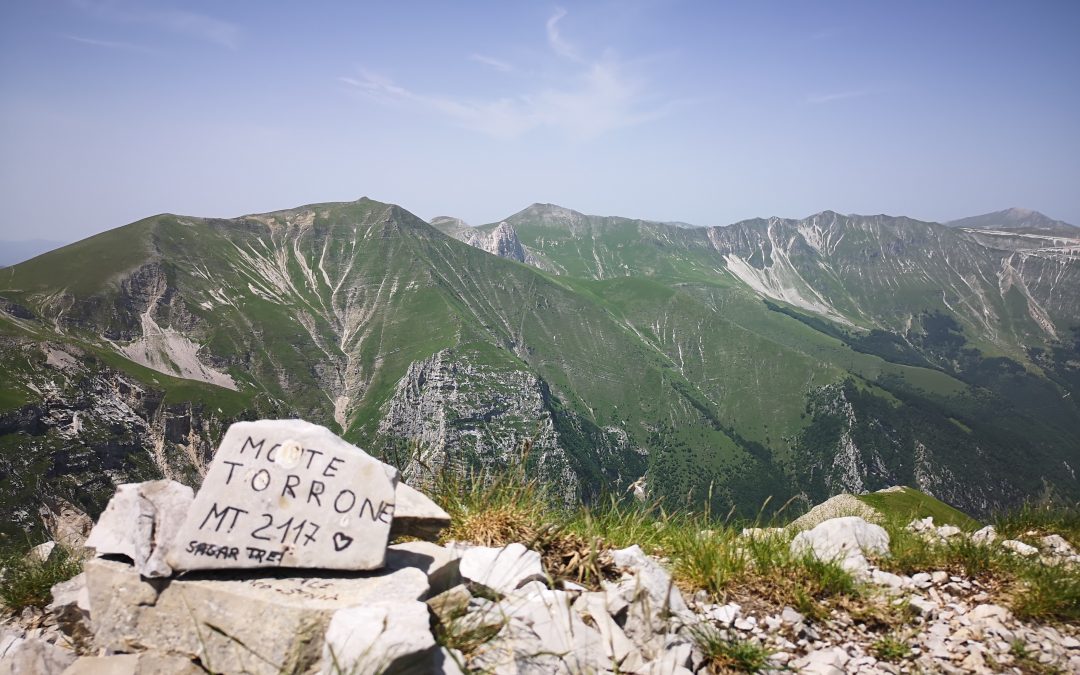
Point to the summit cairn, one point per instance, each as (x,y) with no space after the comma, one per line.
(287,493)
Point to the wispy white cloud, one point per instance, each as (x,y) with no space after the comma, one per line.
(555,39)
(492,62)
(179,21)
(107,44)
(838,96)
(598,96)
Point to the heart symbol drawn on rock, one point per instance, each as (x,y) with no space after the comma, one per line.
(342,541)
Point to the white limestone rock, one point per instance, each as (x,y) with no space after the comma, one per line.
(21,654)
(286,493)
(140,523)
(439,563)
(651,577)
(948,531)
(133,664)
(380,637)
(70,608)
(831,661)
(1019,548)
(501,569)
(838,506)
(415,515)
(985,535)
(224,621)
(542,634)
(1057,545)
(892,581)
(41,552)
(844,540)
(618,649)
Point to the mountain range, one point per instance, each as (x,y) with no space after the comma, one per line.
(772,359)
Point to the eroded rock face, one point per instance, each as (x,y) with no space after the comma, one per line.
(448,406)
(286,493)
(502,241)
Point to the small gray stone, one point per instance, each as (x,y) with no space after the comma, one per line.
(1057,545)
(948,531)
(922,605)
(889,580)
(985,535)
(921,580)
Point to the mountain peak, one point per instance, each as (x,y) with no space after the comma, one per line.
(1016,219)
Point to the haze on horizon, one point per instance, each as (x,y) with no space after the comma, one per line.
(708,113)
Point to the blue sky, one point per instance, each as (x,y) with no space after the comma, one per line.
(705,112)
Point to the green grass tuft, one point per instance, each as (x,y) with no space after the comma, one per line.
(725,655)
(27,583)
(891,648)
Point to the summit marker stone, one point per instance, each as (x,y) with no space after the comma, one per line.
(287,493)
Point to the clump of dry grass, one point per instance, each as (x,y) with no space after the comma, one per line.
(570,556)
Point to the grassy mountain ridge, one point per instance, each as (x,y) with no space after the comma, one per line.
(645,349)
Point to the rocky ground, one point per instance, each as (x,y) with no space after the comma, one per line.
(455,607)
(488,609)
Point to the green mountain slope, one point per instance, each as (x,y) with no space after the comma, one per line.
(624,349)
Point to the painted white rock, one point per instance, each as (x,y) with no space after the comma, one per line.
(286,493)
(140,522)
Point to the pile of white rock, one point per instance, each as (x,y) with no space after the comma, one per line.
(282,563)
(1051,549)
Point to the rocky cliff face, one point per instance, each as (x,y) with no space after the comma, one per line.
(502,240)
(454,414)
(89,428)
(851,447)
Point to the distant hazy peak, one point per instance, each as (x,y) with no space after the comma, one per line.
(448,223)
(548,212)
(1016,219)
